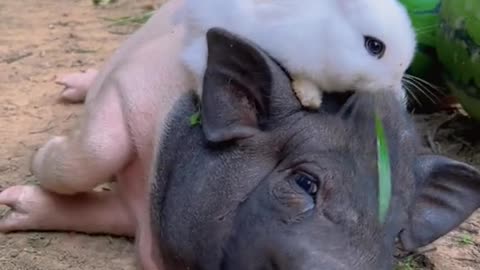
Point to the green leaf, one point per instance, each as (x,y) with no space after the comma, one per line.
(103,2)
(195,119)
(384,171)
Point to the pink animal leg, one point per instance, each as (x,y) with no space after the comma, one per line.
(33,208)
(76,85)
(149,257)
(89,156)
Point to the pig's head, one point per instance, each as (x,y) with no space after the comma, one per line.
(264,184)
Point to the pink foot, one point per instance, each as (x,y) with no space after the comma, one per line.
(76,85)
(29,205)
(33,208)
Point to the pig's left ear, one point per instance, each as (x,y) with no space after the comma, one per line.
(448,192)
(242,88)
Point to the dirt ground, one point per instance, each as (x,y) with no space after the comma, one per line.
(40,39)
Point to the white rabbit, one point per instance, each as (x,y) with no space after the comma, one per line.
(326,45)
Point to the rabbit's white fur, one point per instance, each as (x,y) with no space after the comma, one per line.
(320,42)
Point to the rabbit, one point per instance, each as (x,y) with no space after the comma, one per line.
(325,45)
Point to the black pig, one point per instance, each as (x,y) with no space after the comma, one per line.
(264,184)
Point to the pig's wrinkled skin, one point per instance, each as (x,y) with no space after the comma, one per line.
(264,184)
(132,92)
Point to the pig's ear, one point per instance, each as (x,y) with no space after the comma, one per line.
(237,87)
(448,193)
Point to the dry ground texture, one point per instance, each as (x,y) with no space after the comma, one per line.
(40,39)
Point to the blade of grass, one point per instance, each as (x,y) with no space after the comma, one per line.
(384,171)
(127,20)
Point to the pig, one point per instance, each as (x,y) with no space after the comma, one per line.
(263,183)
(133,90)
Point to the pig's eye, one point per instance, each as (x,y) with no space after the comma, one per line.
(307,183)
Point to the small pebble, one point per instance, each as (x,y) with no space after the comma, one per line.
(14,254)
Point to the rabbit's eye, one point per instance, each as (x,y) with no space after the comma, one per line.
(374,46)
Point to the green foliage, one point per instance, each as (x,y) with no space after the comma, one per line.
(195,119)
(466,240)
(458,48)
(425,19)
(409,263)
(103,2)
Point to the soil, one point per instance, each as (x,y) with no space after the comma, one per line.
(41,39)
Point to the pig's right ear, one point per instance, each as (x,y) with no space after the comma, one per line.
(448,192)
(237,88)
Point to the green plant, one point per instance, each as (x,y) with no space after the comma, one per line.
(129,20)
(466,240)
(408,263)
(384,171)
(195,119)
(458,49)
(103,2)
